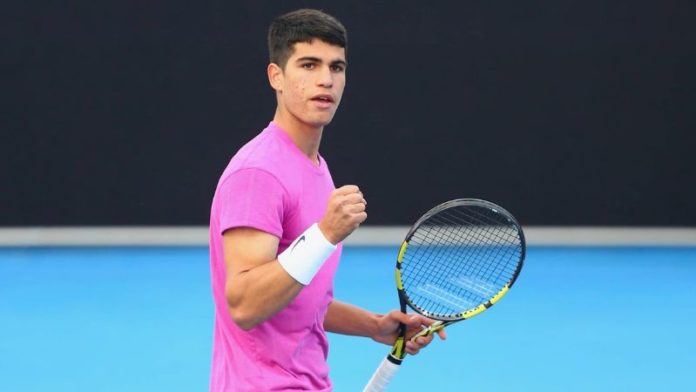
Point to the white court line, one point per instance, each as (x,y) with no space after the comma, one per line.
(366,235)
(441,296)
(474,285)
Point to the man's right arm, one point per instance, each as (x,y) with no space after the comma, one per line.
(257,285)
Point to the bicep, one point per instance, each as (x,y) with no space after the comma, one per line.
(256,286)
(247,248)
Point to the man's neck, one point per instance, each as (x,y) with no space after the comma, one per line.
(306,137)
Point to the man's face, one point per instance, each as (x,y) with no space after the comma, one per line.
(310,87)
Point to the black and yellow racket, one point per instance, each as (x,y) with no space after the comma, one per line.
(457,260)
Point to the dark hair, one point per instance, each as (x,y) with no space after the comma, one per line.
(302,25)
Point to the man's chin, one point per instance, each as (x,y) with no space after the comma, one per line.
(321,122)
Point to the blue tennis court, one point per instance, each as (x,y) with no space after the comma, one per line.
(140,319)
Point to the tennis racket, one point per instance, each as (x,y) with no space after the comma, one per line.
(457,260)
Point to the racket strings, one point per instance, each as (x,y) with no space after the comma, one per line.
(458,259)
(481,234)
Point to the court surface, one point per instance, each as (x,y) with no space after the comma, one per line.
(140,319)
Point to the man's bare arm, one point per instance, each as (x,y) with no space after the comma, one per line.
(257,286)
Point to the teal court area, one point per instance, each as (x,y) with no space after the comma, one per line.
(140,319)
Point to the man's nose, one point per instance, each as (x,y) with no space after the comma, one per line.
(325,77)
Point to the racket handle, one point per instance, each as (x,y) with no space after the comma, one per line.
(382,376)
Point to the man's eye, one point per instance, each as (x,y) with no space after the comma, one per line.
(337,68)
(308,65)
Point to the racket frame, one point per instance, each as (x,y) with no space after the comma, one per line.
(398,351)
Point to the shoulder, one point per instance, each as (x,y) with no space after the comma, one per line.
(267,151)
(266,155)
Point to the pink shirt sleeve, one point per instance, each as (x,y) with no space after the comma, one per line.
(253,198)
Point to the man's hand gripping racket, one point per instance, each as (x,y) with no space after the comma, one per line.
(457,260)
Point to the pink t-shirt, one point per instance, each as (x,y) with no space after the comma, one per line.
(271,185)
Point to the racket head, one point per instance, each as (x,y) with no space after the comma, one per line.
(459,259)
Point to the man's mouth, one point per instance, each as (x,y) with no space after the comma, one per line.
(323,98)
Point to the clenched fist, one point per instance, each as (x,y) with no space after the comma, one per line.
(344,213)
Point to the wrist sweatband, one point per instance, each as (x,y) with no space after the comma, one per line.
(303,258)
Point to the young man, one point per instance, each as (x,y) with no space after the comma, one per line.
(276,227)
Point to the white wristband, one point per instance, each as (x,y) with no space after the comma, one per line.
(303,258)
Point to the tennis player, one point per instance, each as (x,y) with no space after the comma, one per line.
(276,227)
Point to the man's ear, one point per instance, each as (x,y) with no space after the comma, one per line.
(275,76)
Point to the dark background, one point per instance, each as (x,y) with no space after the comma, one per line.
(564,112)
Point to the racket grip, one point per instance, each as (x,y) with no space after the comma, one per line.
(382,376)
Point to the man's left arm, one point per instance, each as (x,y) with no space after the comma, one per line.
(348,319)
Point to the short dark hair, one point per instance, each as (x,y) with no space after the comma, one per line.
(302,25)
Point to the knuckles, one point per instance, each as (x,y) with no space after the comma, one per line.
(345,210)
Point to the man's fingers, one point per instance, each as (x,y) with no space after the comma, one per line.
(350,194)
(344,213)
(353,198)
(355,208)
(413,347)
(415,320)
(423,340)
(400,317)
(347,190)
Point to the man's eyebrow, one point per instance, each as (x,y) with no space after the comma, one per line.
(318,60)
(339,62)
(308,58)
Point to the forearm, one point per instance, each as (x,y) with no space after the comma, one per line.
(348,319)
